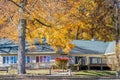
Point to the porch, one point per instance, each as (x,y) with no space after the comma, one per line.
(90,63)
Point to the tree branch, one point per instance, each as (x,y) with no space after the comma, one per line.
(42,23)
(14,3)
(18,6)
(33,4)
(29,13)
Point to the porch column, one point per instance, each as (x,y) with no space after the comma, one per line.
(78,63)
(50,71)
(88,62)
(101,64)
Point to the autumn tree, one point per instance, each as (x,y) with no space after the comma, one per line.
(40,20)
(98,19)
(59,21)
(110,19)
(94,20)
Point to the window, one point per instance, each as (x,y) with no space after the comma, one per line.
(37,58)
(83,61)
(9,59)
(40,58)
(95,60)
(4,60)
(27,59)
(13,59)
(103,61)
(48,58)
(43,59)
(80,60)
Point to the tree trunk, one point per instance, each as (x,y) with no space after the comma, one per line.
(117,40)
(21,38)
(77,34)
(21,46)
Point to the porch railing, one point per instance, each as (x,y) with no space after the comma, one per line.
(33,66)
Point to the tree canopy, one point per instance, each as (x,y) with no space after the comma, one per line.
(59,21)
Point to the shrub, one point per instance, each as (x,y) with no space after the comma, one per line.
(61,62)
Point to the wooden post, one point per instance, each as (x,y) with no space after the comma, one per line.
(88,62)
(78,67)
(101,65)
(50,71)
(69,72)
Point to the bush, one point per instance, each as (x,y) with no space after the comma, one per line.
(61,62)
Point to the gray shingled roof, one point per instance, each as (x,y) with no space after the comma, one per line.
(9,47)
(89,47)
(81,47)
(111,48)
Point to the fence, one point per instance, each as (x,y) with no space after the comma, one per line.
(33,66)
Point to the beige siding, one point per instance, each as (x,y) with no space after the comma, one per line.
(33,60)
(89,55)
(1,60)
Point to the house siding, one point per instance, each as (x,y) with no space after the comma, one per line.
(33,59)
(1,60)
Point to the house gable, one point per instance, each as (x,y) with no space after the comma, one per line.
(111,48)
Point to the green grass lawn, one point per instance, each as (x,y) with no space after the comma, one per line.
(77,73)
(95,73)
(29,72)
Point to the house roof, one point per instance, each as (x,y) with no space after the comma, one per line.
(92,47)
(9,47)
(111,48)
(81,47)
(89,47)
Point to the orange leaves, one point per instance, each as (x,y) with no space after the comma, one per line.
(68,48)
(63,17)
(9,32)
(32,47)
(3,20)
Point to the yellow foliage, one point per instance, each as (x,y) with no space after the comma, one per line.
(56,20)
(3,20)
(32,47)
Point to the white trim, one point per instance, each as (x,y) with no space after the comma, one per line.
(112,53)
(41,53)
(90,55)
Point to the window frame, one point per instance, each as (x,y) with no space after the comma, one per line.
(97,59)
(43,58)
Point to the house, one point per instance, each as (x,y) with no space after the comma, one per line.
(90,54)
(41,53)
(86,54)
